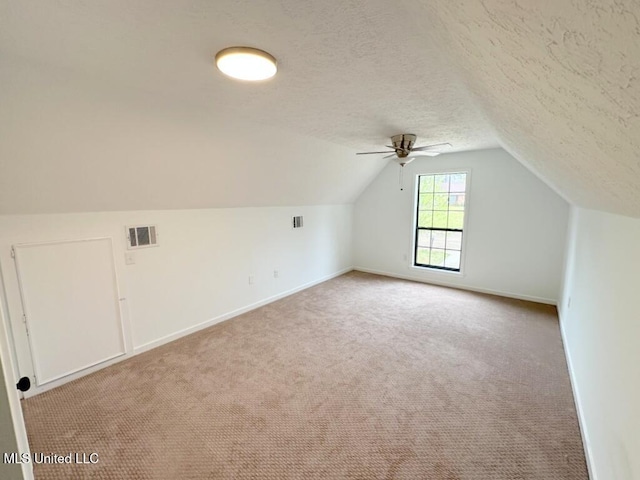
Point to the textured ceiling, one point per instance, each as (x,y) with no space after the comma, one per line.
(559,81)
(127,77)
(347,74)
(553,82)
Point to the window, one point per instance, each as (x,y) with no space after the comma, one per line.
(440,220)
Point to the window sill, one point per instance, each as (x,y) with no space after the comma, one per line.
(437,270)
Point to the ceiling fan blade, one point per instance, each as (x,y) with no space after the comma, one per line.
(373,153)
(390,156)
(424,154)
(426,147)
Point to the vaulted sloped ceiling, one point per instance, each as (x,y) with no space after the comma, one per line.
(559,81)
(113,105)
(117,105)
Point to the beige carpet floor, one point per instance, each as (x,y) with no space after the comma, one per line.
(361,377)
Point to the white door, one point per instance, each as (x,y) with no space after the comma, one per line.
(14,432)
(71,304)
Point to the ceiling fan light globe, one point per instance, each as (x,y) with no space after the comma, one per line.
(403,161)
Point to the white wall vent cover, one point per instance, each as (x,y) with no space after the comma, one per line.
(297,221)
(142,236)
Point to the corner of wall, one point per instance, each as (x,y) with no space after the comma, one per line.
(577,398)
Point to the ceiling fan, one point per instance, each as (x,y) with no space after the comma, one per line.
(404,152)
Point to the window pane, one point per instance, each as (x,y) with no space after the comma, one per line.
(437,257)
(426,201)
(454,241)
(425,219)
(440,219)
(424,238)
(456,201)
(458,182)
(426,183)
(441,183)
(438,239)
(452,259)
(456,220)
(423,256)
(441,201)
(132,236)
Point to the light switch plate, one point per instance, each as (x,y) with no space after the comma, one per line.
(129,258)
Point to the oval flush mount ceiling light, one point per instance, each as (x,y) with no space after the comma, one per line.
(246,63)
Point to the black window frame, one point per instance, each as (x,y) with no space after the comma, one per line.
(417,228)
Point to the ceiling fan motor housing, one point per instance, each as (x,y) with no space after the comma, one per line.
(403,143)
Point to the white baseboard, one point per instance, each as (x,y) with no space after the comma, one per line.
(233,313)
(578,402)
(416,278)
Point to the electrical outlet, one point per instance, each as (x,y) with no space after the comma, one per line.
(276,274)
(129,258)
(251,279)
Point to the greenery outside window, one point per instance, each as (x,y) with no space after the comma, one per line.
(440,220)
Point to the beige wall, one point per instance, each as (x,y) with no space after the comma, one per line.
(514,236)
(198,274)
(600,318)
